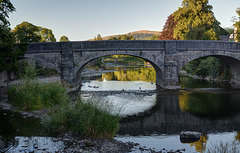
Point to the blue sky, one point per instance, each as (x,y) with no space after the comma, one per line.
(83,19)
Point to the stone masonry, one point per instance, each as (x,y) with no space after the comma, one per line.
(167,57)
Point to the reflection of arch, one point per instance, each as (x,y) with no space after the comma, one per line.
(159,75)
(230,59)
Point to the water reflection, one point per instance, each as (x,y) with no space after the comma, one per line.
(17,131)
(36,145)
(200,146)
(145,74)
(210,105)
(210,111)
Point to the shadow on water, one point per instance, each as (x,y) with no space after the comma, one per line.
(14,124)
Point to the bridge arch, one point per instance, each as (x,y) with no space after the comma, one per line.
(230,59)
(81,64)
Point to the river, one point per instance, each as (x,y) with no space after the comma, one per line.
(153,118)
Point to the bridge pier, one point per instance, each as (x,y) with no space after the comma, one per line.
(170,74)
(170,78)
(67,63)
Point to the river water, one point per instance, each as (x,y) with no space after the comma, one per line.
(153,118)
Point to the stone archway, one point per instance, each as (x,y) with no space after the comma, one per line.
(78,69)
(229,59)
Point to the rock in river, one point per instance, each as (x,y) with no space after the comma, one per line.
(190,136)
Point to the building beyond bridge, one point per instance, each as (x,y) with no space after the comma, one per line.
(167,57)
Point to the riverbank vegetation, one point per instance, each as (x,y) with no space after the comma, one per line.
(84,118)
(209,67)
(87,119)
(32,95)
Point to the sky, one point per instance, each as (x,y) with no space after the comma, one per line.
(81,20)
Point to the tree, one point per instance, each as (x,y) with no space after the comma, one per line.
(64,38)
(7,38)
(167,32)
(195,20)
(6,7)
(7,41)
(237,25)
(229,30)
(238,11)
(27,32)
(46,35)
(98,38)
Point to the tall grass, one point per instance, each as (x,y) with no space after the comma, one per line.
(32,95)
(228,147)
(84,118)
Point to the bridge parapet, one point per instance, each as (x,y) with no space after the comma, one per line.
(207,45)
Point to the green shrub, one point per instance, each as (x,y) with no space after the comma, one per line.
(84,118)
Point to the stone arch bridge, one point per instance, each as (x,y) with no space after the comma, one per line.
(167,57)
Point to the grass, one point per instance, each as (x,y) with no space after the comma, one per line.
(228,147)
(32,95)
(84,118)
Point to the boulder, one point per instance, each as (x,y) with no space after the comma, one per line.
(190,136)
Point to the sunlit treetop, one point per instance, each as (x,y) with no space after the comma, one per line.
(196,16)
(238,11)
(27,32)
(64,38)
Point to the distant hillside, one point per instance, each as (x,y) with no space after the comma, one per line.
(138,35)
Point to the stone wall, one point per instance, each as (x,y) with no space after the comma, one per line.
(5,77)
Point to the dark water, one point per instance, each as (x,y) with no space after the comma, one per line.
(215,112)
(21,134)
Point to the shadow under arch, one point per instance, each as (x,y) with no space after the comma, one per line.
(159,75)
(231,61)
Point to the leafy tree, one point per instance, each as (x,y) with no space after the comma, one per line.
(64,38)
(238,11)
(229,30)
(224,31)
(6,47)
(6,7)
(237,25)
(195,20)
(98,38)
(46,35)
(27,32)
(7,39)
(167,32)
